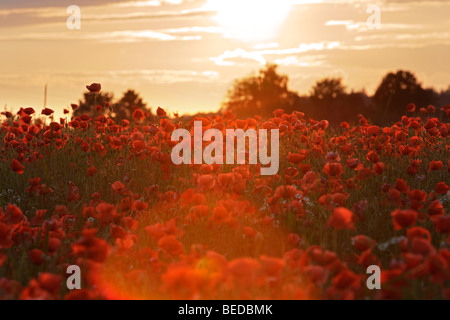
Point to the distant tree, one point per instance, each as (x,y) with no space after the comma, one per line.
(329,100)
(123,109)
(399,89)
(395,87)
(260,93)
(120,110)
(444,97)
(89,102)
(328,89)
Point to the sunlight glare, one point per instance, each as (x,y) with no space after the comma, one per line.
(250,20)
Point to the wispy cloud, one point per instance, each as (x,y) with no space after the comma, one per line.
(229,58)
(114,36)
(305,62)
(362,26)
(157,76)
(393,38)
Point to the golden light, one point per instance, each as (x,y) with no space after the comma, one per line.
(250,20)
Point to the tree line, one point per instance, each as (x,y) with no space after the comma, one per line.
(263,92)
(330,99)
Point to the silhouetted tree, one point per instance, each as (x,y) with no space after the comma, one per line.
(260,94)
(444,97)
(120,110)
(329,99)
(124,108)
(89,102)
(399,89)
(327,89)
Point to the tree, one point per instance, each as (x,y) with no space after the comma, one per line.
(396,87)
(328,89)
(444,97)
(398,90)
(124,108)
(260,94)
(90,100)
(120,110)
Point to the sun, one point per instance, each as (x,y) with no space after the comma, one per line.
(250,20)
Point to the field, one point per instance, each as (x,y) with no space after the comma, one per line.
(106,197)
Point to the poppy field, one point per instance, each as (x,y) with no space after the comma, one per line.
(85,191)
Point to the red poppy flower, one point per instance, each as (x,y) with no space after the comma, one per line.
(47,112)
(138,115)
(118,187)
(28,111)
(418,195)
(443,224)
(92,171)
(363,243)
(50,282)
(272,267)
(422,247)
(436,165)
(345,125)
(411,107)
(342,218)
(379,168)
(161,112)
(367,258)
(171,245)
(317,274)
(205,182)
(200,211)
(36,256)
(373,130)
(436,210)
(372,156)
(94,88)
(244,270)
(140,205)
(225,180)
(333,169)
(220,215)
(401,186)
(16,166)
(418,232)
(240,124)
(346,279)
(107,213)
(91,247)
(404,218)
(296,158)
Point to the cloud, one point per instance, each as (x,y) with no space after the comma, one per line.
(305,62)
(116,11)
(263,46)
(114,36)
(216,30)
(124,77)
(24,4)
(229,58)
(147,15)
(394,38)
(362,26)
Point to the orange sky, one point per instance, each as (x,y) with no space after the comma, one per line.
(183,54)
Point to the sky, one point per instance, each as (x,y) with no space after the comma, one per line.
(183,55)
